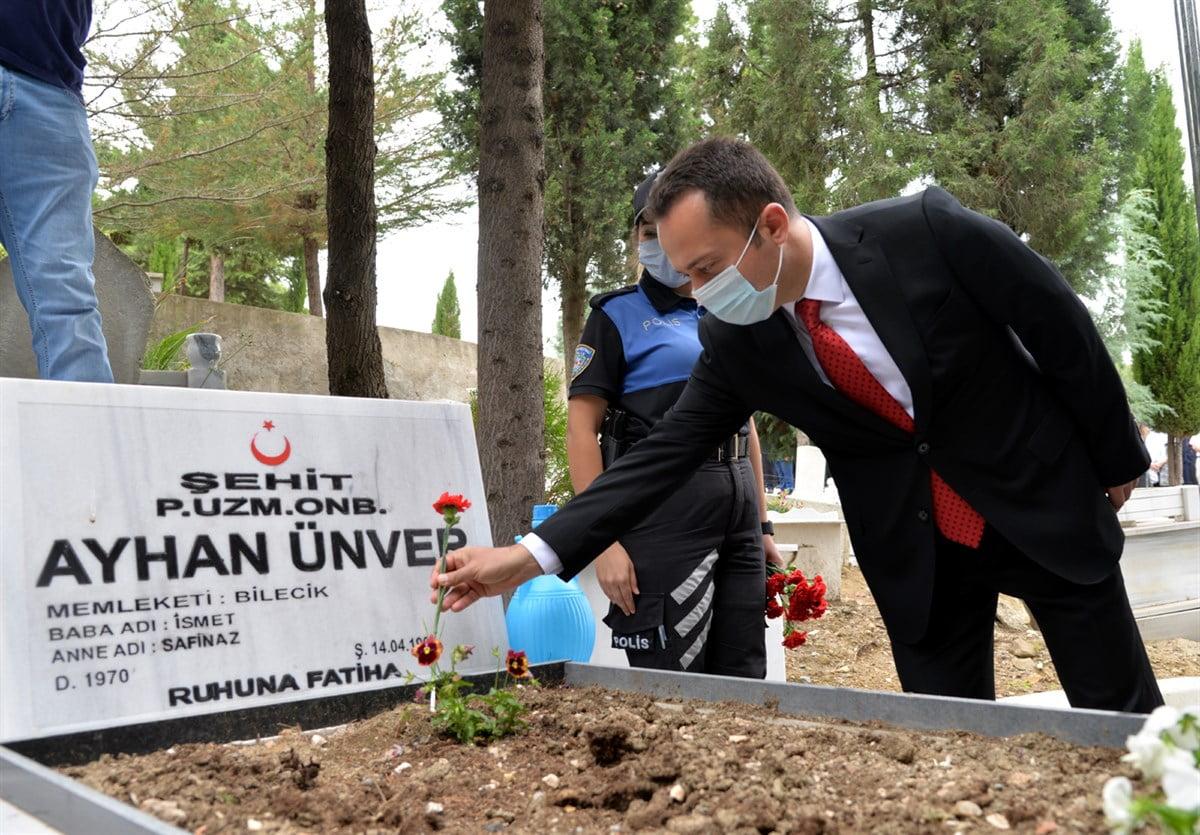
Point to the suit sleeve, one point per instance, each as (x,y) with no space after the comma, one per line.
(706,413)
(1017,287)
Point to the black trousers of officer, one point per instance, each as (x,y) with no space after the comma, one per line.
(701,577)
(1089,630)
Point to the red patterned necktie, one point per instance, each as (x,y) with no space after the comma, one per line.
(957,520)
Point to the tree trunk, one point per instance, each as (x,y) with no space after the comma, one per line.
(574,308)
(512,180)
(216,277)
(351,336)
(866,15)
(312,272)
(1175,458)
(311,200)
(182,286)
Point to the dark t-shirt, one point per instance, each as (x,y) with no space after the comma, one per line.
(44,38)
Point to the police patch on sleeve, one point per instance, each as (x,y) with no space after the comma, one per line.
(583,358)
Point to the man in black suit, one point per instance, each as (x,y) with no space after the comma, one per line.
(978,433)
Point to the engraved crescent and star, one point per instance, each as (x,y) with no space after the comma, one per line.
(270,460)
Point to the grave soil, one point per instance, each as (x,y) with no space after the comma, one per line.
(599,761)
(593,760)
(848,647)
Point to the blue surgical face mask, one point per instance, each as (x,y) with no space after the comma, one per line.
(651,254)
(733,299)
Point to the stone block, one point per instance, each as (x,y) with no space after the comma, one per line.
(126,311)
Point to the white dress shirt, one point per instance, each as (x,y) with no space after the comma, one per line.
(841,311)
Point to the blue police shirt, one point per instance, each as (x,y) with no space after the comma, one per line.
(44,39)
(637,350)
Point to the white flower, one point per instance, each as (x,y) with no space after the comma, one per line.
(1118,798)
(1181,781)
(1147,751)
(1187,738)
(1163,718)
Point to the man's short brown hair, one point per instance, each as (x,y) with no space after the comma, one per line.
(736,180)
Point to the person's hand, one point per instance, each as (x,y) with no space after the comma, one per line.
(475,572)
(1117,496)
(772,552)
(618,580)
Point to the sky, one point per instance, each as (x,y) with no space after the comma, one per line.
(412,264)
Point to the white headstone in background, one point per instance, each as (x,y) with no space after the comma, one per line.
(810,472)
(171,552)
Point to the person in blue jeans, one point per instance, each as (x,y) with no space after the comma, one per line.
(47,174)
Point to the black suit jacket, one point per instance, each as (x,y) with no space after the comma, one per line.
(1017,406)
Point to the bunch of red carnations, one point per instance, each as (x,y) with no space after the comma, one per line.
(795,599)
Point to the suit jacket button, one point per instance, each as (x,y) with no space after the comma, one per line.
(922,448)
(923,515)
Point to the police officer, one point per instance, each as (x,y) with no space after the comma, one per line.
(687,585)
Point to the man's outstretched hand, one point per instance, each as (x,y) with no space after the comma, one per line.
(475,572)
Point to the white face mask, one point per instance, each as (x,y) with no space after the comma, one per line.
(651,254)
(733,299)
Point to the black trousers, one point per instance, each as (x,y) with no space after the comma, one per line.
(1089,630)
(701,577)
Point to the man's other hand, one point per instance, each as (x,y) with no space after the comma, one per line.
(771,551)
(1117,496)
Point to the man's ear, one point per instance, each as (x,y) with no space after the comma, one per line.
(774,223)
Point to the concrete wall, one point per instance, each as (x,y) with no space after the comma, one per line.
(268,350)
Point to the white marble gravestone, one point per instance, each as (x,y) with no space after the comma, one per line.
(170,552)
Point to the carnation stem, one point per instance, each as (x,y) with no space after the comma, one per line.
(437,615)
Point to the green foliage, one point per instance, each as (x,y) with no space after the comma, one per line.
(1137,84)
(779,503)
(613,109)
(476,718)
(167,353)
(163,258)
(790,85)
(256,274)
(1127,308)
(776,437)
(295,294)
(558,470)
(1171,368)
(454,715)
(1013,105)
(220,127)
(1015,102)
(446,319)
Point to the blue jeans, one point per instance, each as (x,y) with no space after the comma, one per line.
(47,174)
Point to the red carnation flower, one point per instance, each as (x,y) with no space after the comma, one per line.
(795,639)
(797,576)
(774,610)
(428,651)
(797,608)
(448,502)
(517,664)
(807,601)
(775,584)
